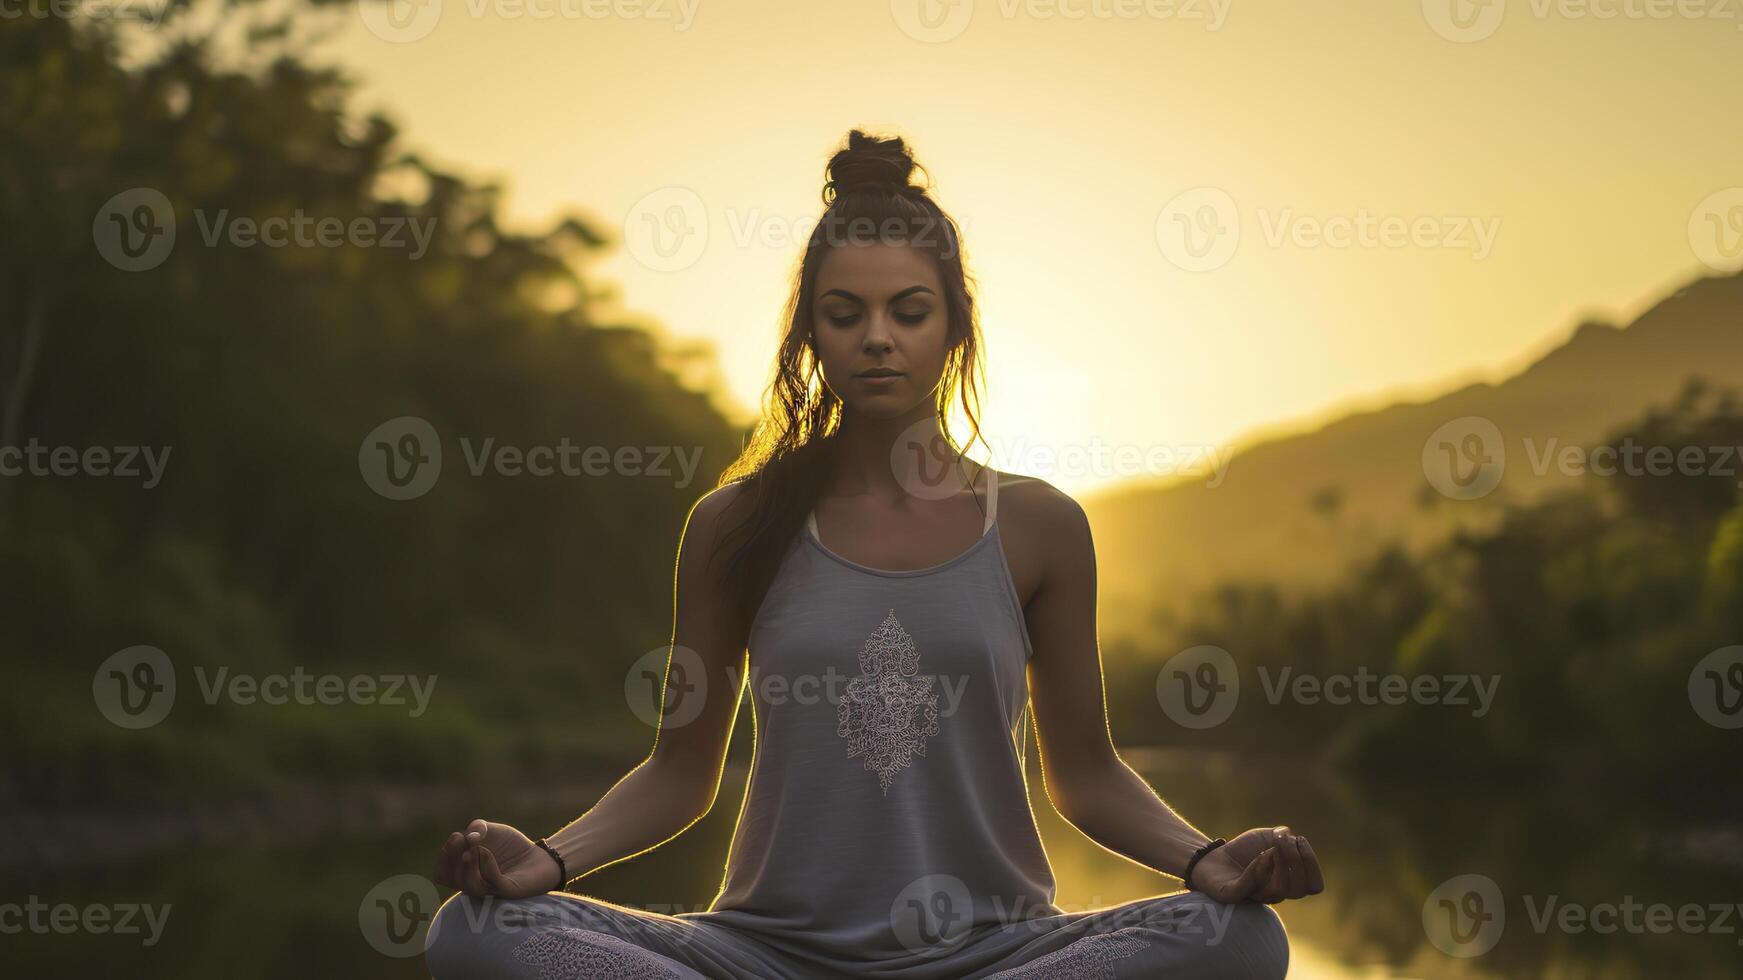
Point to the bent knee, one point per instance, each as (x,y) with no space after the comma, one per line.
(450,947)
(1259,945)
(466,937)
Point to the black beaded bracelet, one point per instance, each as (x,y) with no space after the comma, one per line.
(562,869)
(1186,878)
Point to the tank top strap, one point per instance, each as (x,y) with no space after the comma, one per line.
(992,498)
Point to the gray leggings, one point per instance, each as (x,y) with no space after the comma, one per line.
(561,936)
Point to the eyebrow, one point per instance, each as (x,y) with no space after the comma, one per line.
(911,290)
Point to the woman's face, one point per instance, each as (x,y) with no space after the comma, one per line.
(877,307)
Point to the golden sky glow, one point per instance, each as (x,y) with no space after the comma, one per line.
(1547,161)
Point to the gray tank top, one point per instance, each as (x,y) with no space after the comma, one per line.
(887,805)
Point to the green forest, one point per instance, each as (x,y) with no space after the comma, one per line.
(259,372)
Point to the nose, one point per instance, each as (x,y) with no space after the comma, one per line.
(877,334)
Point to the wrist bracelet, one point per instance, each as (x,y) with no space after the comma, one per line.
(1186,878)
(562,869)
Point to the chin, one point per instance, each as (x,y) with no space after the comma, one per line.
(893,405)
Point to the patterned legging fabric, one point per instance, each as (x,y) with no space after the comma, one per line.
(561,936)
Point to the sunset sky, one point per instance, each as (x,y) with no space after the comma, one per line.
(1549,163)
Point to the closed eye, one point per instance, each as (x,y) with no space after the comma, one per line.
(911,319)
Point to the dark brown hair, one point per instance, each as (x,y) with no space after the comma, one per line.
(790,453)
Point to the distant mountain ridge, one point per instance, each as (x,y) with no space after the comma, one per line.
(1296,509)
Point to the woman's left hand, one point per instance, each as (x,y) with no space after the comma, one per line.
(1265,864)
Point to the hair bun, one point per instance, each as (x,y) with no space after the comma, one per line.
(870,164)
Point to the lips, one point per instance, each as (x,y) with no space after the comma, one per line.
(879,373)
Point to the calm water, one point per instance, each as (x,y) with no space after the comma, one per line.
(326,907)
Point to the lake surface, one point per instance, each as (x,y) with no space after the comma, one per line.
(1576,881)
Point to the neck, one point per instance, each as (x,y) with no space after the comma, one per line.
(895,457)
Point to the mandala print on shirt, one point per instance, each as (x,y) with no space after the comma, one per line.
(1089,958)
(888,711)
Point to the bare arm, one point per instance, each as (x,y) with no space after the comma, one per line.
(1087,781)
(677,783)
(1085,778)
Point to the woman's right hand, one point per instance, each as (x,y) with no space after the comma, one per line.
(495,859)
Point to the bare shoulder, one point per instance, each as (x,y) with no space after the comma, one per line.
(720,502)
(716,512)
(1040,507)
(1040,526)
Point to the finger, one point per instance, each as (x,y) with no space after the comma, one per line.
(1280,877)
(1273,879)
(1259,871)
(1251,879)
(491,874)
(1294,876)
(448,860)
(469,870)
(1310,862)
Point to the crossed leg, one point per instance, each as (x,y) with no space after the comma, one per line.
(560,936)
(1184,934)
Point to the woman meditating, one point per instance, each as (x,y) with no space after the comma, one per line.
(902,607)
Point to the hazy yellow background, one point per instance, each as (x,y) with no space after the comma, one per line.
(1057,142)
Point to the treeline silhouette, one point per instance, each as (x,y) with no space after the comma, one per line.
(1591,776)
(1590,608)
(262,370)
